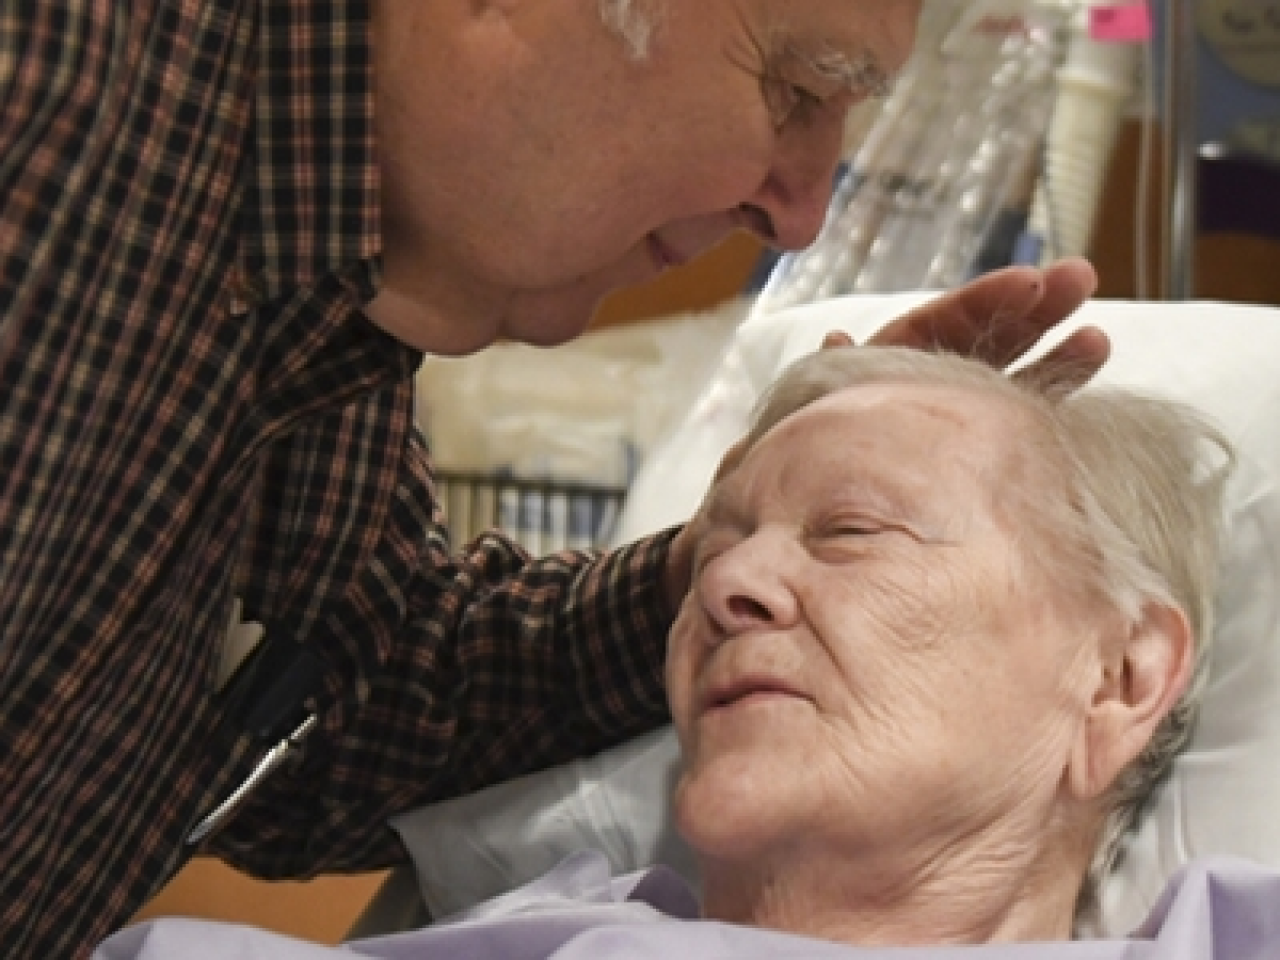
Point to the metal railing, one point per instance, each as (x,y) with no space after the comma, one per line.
(544,515)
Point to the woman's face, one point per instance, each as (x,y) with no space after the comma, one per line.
(865,665)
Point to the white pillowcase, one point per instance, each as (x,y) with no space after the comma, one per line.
(1224,794)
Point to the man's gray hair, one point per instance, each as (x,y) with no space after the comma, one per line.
(634,21)
(1139,519)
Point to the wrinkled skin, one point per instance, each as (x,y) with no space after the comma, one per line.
(875,692)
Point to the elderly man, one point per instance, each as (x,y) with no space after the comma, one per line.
(224,239)
(943,641)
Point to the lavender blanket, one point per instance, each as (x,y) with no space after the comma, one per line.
(1214,910)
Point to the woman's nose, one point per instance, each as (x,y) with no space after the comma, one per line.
(747,587)
(797,189)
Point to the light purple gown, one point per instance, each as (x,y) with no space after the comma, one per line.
(1215,910)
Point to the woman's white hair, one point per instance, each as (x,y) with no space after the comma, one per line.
(634,21)
(1138,518)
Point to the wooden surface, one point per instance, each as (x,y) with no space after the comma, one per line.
(321,910)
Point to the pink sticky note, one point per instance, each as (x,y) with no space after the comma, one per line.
(1123,23)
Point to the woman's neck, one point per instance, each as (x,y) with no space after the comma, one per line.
(966,893)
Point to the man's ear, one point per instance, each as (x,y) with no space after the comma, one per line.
(1141,676)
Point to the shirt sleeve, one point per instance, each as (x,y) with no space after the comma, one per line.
(458,670)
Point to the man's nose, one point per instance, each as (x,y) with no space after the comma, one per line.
(790,205)
(747,587)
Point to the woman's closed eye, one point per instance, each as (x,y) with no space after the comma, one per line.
(858,523)
(859,529)
(851,529)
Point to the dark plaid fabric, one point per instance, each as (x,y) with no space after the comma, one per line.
(193,408)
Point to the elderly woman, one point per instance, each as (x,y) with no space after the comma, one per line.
(944,640)
(941,646)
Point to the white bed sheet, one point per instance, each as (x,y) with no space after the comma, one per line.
(1224,795)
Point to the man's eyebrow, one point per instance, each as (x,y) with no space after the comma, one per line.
(861,73)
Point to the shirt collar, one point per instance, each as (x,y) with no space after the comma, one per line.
(311,204)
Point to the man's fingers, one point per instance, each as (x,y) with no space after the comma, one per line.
(996,317)
(1073,362)
(836,338)
(1067,285)
(954,320)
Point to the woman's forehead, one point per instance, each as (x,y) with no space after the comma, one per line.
(915,442)
(875,409)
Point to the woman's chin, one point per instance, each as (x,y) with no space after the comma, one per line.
(725,815)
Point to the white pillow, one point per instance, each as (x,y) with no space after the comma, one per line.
(1224,794)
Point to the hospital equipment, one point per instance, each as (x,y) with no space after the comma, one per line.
(991,149)
(1179,108)
(1222,58)
(1095,86)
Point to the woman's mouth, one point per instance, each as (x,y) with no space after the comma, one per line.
(750,691)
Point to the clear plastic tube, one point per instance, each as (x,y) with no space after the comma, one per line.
(952,146)
(997,104)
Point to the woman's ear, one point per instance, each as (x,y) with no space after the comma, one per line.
(1141,676)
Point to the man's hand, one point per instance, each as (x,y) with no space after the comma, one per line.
(1000,316)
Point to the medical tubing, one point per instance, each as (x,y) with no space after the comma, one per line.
(1095,84)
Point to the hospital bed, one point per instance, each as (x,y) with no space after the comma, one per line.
(1223,359)
(1223,795)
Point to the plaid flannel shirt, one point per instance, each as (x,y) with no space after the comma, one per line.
(193,409)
